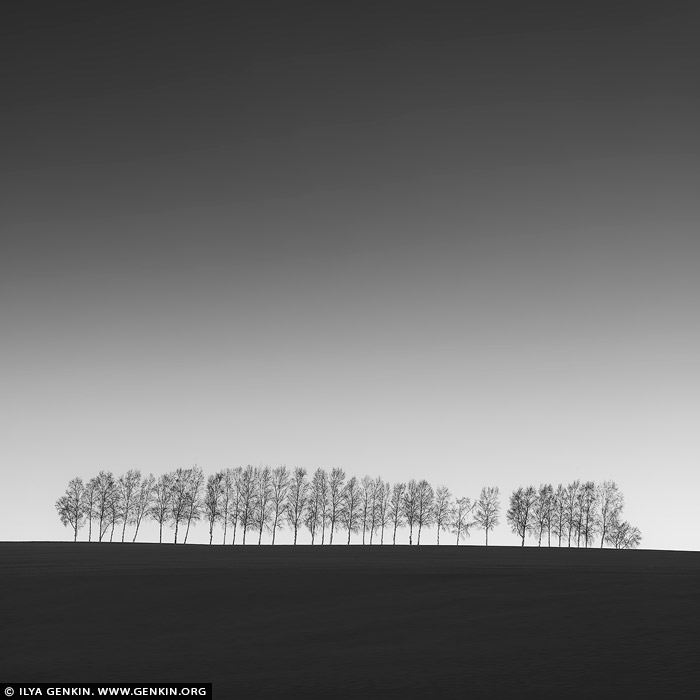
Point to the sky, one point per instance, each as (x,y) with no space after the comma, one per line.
(410,240)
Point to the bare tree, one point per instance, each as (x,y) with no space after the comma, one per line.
(179,498)
(351,506)
(262,510)
(459,521)
(89,503)
(442,509)
(142,503)
(366,486)
(622,535)
(324,505)
(424,513)
(246,499)
(127,486)
(104,501)
(410,507)
(559,513)
(160,502)
(226,496)
(542,512)
(213,495)
(71,506)
(610,504)
(396,520)
(571,508)
(114,508)
(195,484)
(312,514)
(588,510)
(280,488)
(383,491)
(296,501)
(335,498)
(520,514)
(488,507)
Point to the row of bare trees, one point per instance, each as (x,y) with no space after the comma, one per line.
(576,513)
(261,500)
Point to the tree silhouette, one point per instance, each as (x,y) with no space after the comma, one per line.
(486,512)
(459,521)
(280,488)
(127,488)
(396,508)
(383,506)
(520,514)
(246,499)
(160,502)
(71,506)
(104,501)
(542,513)
(610,503)
(213,496)
(296,503)
(442,509)
(262,509)
(424,510)
(336,484)
(559,513)
(351,506)
(142,503)
(410,507)
(622,535)
(89,500)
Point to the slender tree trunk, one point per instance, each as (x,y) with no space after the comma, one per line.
(420,525)
(295,533)
(176,528)
(245,529)
(260,536)
(330,540)
(410,534)
(235,528)
(349,530)
(225,526)
(160,540)
(123,529)
(382,540)
(395,528)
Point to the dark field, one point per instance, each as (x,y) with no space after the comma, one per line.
(365,622)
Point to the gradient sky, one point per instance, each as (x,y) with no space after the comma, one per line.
(407,239)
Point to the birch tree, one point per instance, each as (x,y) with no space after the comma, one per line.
(424,510)
(212,502)
(520,514)
(262,510)
(351,506)
(160,502)
(487,510)
(142,503)
(296,501)
(336,484)
(442,509)
(459,521)
(280,489)
(610,504)
(127,486)
(71,506)
(396,520)
(410,507)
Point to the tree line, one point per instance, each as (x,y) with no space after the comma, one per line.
(245,502)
